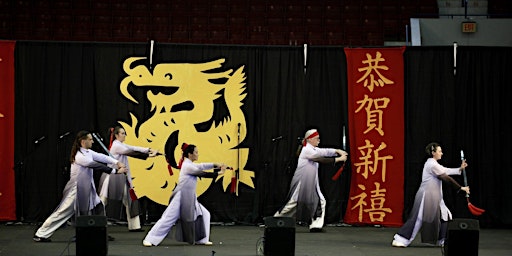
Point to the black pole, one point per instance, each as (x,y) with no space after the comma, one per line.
(465,8)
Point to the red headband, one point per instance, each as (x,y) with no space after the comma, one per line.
(111,138)
(309,137)
(184,147)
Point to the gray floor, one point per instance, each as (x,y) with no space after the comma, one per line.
(16,239)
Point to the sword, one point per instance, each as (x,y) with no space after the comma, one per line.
(97,138)
(337,175)
(133,196)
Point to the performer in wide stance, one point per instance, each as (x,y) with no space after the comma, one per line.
(191,217)
(117,189)
(305,201)
(429,212)
(79,196)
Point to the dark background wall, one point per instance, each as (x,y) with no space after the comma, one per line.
(264,22)
(482,68)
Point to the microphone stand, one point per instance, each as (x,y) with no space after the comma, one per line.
(263,195)
(234,186)
(237,172)
(268,164)
(61,161)
(20,169)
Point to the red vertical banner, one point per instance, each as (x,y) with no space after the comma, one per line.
(7,192)
(376,134)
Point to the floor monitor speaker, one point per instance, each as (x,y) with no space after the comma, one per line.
(462,237)
(279,236)
(91,235)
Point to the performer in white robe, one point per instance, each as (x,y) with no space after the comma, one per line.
(305,201)
(429,212)
(83,161)
(192,219)
(115,188)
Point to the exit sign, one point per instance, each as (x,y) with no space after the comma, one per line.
(469,27)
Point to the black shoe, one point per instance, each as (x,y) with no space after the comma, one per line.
(136,230)
(111,238)
(315,230)
(41,239)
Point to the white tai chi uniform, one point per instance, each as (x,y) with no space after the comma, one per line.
(429,208)
(305,201)
(191,218)
(115,187)
(67,206)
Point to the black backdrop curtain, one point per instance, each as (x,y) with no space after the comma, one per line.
(326,109)
(467,111)
(66,87)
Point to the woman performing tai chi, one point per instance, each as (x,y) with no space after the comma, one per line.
(116,190)
(191,217)
(429,213)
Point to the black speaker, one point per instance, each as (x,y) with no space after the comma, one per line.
(91,235)
(462,237)
(279,236)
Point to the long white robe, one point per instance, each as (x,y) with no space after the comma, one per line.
(67,207)
(429,207)
(184,209)
(85,162)
(305,200)
(63,211)
(114,188)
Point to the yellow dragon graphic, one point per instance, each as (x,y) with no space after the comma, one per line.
(186,113)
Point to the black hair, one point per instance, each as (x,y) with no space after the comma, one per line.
(431,148)
(81,135)
(188,149)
